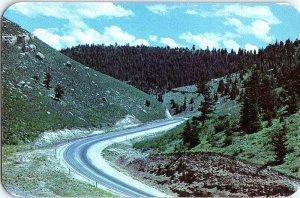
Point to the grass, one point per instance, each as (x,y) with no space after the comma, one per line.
(19,170)
(168,142)
(221,135)
(29,110)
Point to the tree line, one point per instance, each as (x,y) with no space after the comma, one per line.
(156,70)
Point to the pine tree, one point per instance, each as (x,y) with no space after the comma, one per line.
(59,92)
(183,107)
(205,107)
(191,101)
(267,100)
(176,109)
(249,120)
(278,141)
(47,80)
(190,135)
(160,98)
(200,88)
(216,98)
(234,91)
(147,103)
(186,133)
(227,89)
(292,104)
(221,87)
(172,103)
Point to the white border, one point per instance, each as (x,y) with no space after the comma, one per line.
(4,4)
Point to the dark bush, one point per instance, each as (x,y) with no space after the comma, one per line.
(222,125)
(147,103)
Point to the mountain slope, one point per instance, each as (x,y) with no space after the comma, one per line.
(89,98)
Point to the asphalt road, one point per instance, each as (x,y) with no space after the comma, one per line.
(76,156)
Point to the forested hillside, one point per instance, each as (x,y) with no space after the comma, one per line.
(251,115)
(159,69)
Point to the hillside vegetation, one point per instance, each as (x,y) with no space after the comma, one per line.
(46,90)
(157,70)
(252,116)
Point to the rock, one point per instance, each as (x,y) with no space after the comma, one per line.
(9,39)
(25,48)
(40,56)
(32,47)
(104,99)
(21,39)
(21,84)
(68,64)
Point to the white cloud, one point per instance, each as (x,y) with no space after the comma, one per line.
(231,44)
(253,12)
(48,37)
(204,40)
(141,42)
(76,31)
(231,35)
(160,9)
(283,4)
(153,38)
(238,10)
(68,10)
(191,12)
(110,36)
(93,10)
(259,28)
(117,35)
(75,13)
(169,42)
(249,47)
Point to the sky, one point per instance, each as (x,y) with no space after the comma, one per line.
(215,25)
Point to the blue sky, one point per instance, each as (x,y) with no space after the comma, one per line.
(213,25)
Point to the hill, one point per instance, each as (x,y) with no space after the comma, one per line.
(274,143)
(46,90)
(157,70)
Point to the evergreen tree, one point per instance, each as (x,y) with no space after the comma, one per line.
(190,134)
(186,135)
(183,107)
(216,98)
(47,80)
(267,100)
(160,98)
(234,91)
(227,89)
(205,107)
(292,103)
(221,87)
(191,101)
(147,103)
(59,92)
(176,109)
(200,88)
(249,120)
(278,141)
(172,103)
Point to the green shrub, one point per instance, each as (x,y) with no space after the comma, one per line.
(222,125)
(227,141)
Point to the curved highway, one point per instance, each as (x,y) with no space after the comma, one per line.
(75,155)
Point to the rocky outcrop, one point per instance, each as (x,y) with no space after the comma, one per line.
(40,56)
